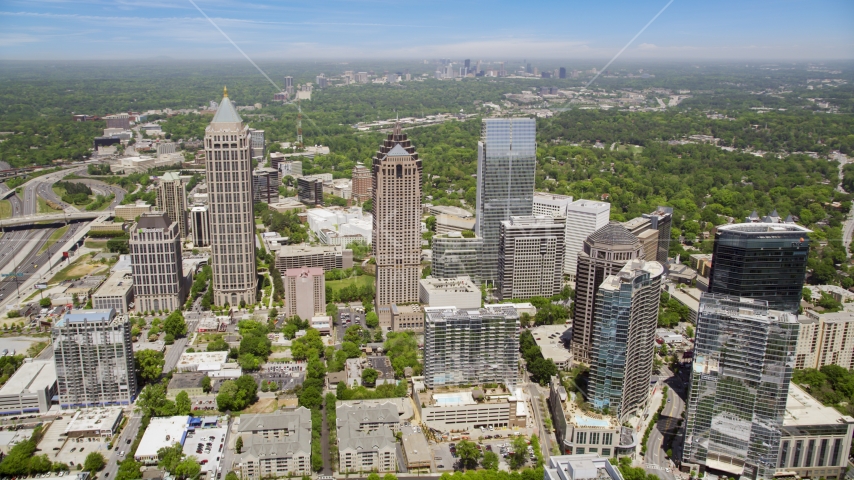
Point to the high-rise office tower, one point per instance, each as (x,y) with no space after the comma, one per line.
(556,205)
(305,292)
(396,241)
(506,164)
(562,72)
(289,81)
(468,65)
(265,185)
(256,143)
(641,227)
(624,338)
(94,359)
(201,220)
(605,253)
(764,261)
(310,190)
(465,347)
(530,257)
(361,183)
(229,179)
(583,217)
(743,359)
(158,276)
(172,199)
(660,220)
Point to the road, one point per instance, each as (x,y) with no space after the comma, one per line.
(121,445)
(656,461)
(534,393)
(174,351)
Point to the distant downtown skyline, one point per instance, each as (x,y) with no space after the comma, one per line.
(750,29)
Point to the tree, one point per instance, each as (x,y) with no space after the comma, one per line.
(207,385)
(218,345)
(129,469)
(372,320)
(45,302)
(489,461)
(183,403)
(369,377)
(231,476)
(149,364)
(175,324)
(170,457)
(95,462)
(373,476)
(238,444)
(689,331)
(469,454)
(520,447)
(188,468)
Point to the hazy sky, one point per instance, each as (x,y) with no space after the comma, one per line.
(416,29)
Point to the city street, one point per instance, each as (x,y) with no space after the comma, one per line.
(174,351)
(656,461)
(121,445)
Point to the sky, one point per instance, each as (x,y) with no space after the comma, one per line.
(427,29)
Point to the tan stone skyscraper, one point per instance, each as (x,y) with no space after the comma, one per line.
(232,227)
(397,219)
(172,199)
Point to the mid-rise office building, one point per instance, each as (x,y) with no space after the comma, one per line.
(158,276)
(232,221)
(455,255)
(305,292)
(201,223)
(647,236)
(94,359)
(743,358)
(605,253)
(583,217)
(562,73)
(764,261)
(326,257)
(256,143)
(397,219)
(825,339)
(116,292)
(506,164)
(458,292)
(362,183)
(624,338)
(265,185)
(172,199)
(119,120)
(661,219)
(555,205)
(530,257)
(465,347)
(310,190)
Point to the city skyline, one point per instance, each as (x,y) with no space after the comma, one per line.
(734,30)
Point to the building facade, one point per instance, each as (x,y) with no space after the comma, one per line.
(362,183)
(256,143)
(172,199)
(530,257)
(661,220)
(310,190)
(158,275)
(93,354)
(265,185)
(116,292)
(232,222)
(506,164)
(583,218)
(455,256)
(366,441)
(275,445)
(555,205)
(458,292)
(305,292)
(605,253)
(464,347)
(764,261)
(326,257)
(743,359)
(825,339)
(397,219)
(201,222)
(624,339)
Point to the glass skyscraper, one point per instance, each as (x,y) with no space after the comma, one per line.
(506,163)
(764,261)
(624,338)
(743,360)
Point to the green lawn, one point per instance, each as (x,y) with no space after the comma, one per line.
(96,244)
(359,281)
(53,238)
(5,209)
(44,208)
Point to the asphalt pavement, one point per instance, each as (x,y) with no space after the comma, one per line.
(121,445)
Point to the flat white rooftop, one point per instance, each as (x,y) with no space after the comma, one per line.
(162,432)
(803,409)
(30,377)
(456,399)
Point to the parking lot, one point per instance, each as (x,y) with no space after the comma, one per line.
(286,380)
(445,460)
(349,316)
(207,445)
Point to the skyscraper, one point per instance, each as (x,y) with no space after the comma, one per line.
(562,72)
(763,261)
(457,256)
(556,205)
(506,164)
(743,359)
(200,218)
(661,220)
(530,257)
(361,183)
(624,338)
(605,253)
(256,143)
(158,276)
(172,199)
(305,292)
(396,173)
(229,179)
(583,217)
(94,359)
(464,347)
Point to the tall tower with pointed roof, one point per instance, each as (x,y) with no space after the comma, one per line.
(396,173)
(232,228)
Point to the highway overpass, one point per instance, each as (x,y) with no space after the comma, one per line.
(37,220)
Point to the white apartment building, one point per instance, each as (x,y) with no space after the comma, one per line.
(583,217)
(826,339)
(555,205)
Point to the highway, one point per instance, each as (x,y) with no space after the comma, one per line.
(35,240)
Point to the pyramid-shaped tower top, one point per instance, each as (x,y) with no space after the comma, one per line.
(226,113)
